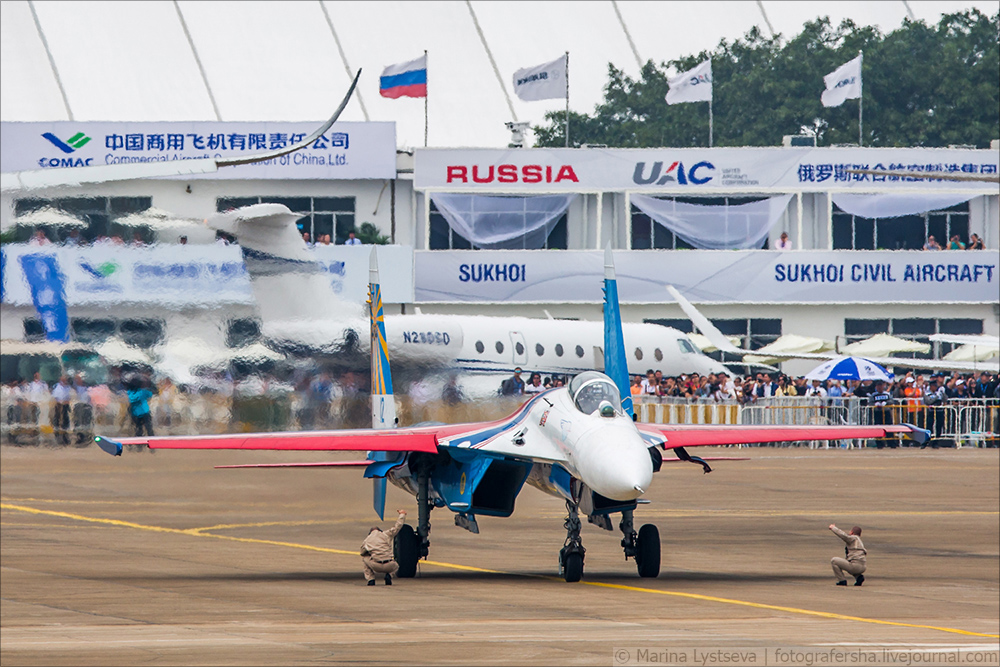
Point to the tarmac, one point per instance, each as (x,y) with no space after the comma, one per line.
(157,558)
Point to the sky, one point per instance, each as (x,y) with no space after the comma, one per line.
(131,61)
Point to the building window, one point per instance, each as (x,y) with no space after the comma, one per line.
(443,237)
(142,332)
(650,235)
(918,329)
(242,332)
(320,215)
(99,213)
(908,232)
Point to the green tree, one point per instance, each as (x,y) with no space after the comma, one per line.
(369,234)
(923,86)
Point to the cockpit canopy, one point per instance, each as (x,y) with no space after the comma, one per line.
(590,389)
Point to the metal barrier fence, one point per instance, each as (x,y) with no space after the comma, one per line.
(971,422)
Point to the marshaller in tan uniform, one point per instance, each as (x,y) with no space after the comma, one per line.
(855,553)
(377,553)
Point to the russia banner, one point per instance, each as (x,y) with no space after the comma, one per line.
(405,79)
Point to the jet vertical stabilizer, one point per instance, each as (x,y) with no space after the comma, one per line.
(383,403)
(615,363)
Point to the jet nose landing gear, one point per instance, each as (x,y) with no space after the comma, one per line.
(571,555)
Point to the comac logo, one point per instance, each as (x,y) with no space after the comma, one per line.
(696,175)
(77,141)
(100,271)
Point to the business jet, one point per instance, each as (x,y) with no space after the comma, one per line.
(301,313)
(579,443)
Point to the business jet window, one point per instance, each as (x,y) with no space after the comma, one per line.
(638,353)
(658,354)
(559,350)
(579,351)
(519,348)
(590,389)
(539,350)
(686,346)
(499,347)
(480,347)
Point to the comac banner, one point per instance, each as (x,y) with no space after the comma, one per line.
(714,276)
(176,276)
(693,170)
(346,151)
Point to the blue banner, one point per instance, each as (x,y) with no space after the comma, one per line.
(48,294)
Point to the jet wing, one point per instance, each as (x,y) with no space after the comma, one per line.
(707,435)
(348,440)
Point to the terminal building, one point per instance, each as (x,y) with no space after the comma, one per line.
(516,231)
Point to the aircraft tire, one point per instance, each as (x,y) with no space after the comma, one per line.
(647,547)
(573,567)
(407,548)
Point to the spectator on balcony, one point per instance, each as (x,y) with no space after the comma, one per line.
(74,238)
(932,244)
(307,239)
(39,238)
(956,243)
(975,243)
(784,243)
(351,239)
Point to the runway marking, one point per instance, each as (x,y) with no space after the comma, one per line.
(791,610)
(636,589)
(262,524)
(697,512)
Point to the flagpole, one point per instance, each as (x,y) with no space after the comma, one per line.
(710,123)
(711,96)
(567,99)
(861,85)
(425,102)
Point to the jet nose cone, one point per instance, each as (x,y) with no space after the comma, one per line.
(622,474)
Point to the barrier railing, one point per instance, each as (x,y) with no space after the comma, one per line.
(972,422)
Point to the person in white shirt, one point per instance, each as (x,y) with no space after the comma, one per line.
(816,389)
(351,239)
(62,393)
(648,385)
(784,243)
(534,385)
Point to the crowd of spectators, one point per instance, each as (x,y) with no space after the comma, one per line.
(753,387)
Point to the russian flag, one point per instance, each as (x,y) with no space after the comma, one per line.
(405,79)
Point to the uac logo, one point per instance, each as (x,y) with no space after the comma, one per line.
(675,172)
(75,142)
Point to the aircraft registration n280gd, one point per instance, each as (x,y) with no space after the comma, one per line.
(579,443)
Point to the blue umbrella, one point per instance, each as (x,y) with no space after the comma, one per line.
(849,368)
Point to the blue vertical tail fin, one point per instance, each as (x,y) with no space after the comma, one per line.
(383,403)
(615,366)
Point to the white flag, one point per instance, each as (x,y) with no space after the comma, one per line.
(542,82)
(694,85)
(844,83)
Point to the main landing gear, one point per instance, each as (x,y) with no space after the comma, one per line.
(643,546)
(571,555)
(412,545)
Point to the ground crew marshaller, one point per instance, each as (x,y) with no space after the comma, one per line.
(377,553)
(855,553)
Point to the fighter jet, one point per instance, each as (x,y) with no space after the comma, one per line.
(579,443)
